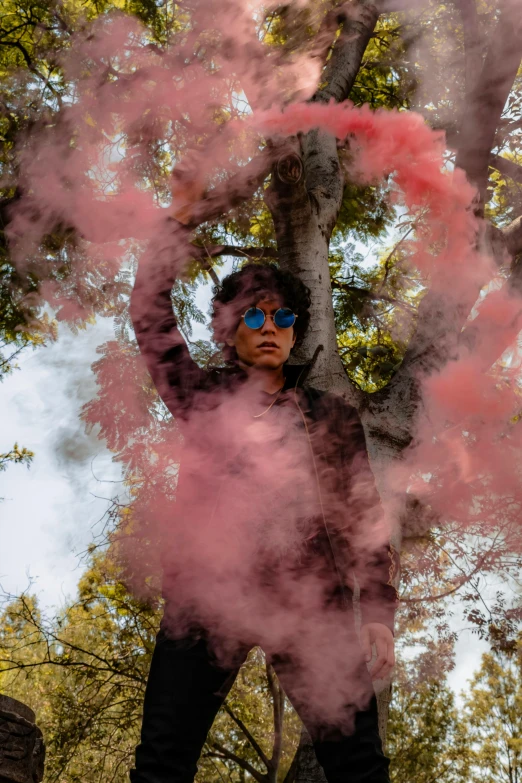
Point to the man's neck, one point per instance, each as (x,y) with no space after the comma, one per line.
(266,379)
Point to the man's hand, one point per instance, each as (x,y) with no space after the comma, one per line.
(382,637)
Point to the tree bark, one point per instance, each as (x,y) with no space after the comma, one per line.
(304,212)
(308,768)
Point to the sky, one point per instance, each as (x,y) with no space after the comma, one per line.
(51,511)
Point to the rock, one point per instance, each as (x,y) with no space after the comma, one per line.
(22,749)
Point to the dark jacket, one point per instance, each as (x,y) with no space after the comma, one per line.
(348,536)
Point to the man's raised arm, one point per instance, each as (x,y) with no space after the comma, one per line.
(176,375)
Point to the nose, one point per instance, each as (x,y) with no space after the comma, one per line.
(269,326)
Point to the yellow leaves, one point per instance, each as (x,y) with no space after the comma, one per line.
(17,455)
(493,712)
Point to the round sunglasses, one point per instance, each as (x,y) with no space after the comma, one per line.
(254,317)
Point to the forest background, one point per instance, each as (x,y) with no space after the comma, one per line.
(84,670)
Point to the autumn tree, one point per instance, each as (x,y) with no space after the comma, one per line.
(85,672)
(493,712)
(427,738)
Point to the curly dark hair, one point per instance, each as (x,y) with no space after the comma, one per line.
(254,281)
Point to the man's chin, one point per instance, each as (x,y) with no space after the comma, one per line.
(269,363)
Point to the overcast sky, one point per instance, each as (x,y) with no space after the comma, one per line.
(49,512)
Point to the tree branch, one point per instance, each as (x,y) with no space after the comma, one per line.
(513,237)
(487,100)
(491,342)
(292,770)
(240,252)
(258,749)
(472,42)
(28,61)
(308,768)
(305,208)
(339,75)
(368,294)
(206,253)
(223,753)
(439,334)
(234,191)
(278,702)
(213,251)
(506,167)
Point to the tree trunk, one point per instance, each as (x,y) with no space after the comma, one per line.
(304,198)
(308,768)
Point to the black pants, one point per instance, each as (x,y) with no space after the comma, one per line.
(184,692)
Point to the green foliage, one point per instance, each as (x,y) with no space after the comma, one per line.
(427,740)
(84,673)
(493,711)
(375,309)
(384,77)
(250,704)
(21,325)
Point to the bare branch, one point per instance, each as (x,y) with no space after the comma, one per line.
(223,753)
(258,749)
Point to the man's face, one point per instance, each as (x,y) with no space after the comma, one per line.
(268,347)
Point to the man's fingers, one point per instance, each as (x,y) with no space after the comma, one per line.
(380,636)
(382,656)
(385,660)
(379,666)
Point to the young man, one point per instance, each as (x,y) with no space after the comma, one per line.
(285,467)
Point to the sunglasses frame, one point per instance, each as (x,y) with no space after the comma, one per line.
(269,315)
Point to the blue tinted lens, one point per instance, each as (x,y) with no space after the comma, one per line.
(284,318)
(254,318)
